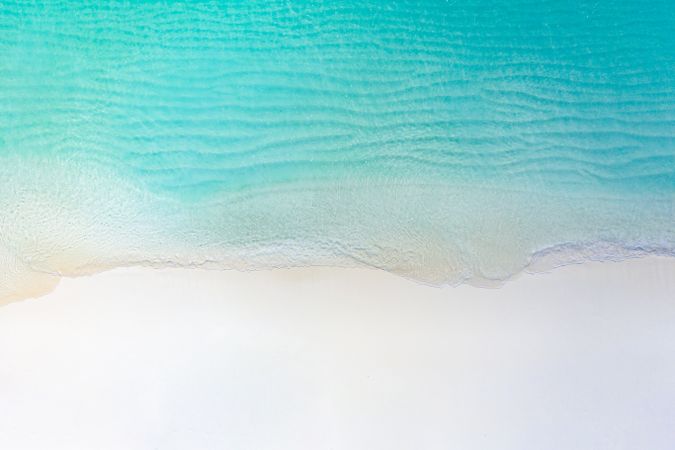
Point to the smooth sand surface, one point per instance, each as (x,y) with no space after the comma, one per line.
(581,358)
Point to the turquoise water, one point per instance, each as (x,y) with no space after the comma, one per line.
(443,141)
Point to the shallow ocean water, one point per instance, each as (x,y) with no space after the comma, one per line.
(443,141)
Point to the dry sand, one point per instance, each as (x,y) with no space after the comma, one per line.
(581,358)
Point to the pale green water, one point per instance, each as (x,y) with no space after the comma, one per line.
(442,141)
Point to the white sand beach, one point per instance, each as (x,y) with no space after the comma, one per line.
(140,359)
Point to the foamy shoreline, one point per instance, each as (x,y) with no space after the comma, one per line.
(34,283)
(344,359)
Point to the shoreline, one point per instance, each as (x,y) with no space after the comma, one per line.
(542,263)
